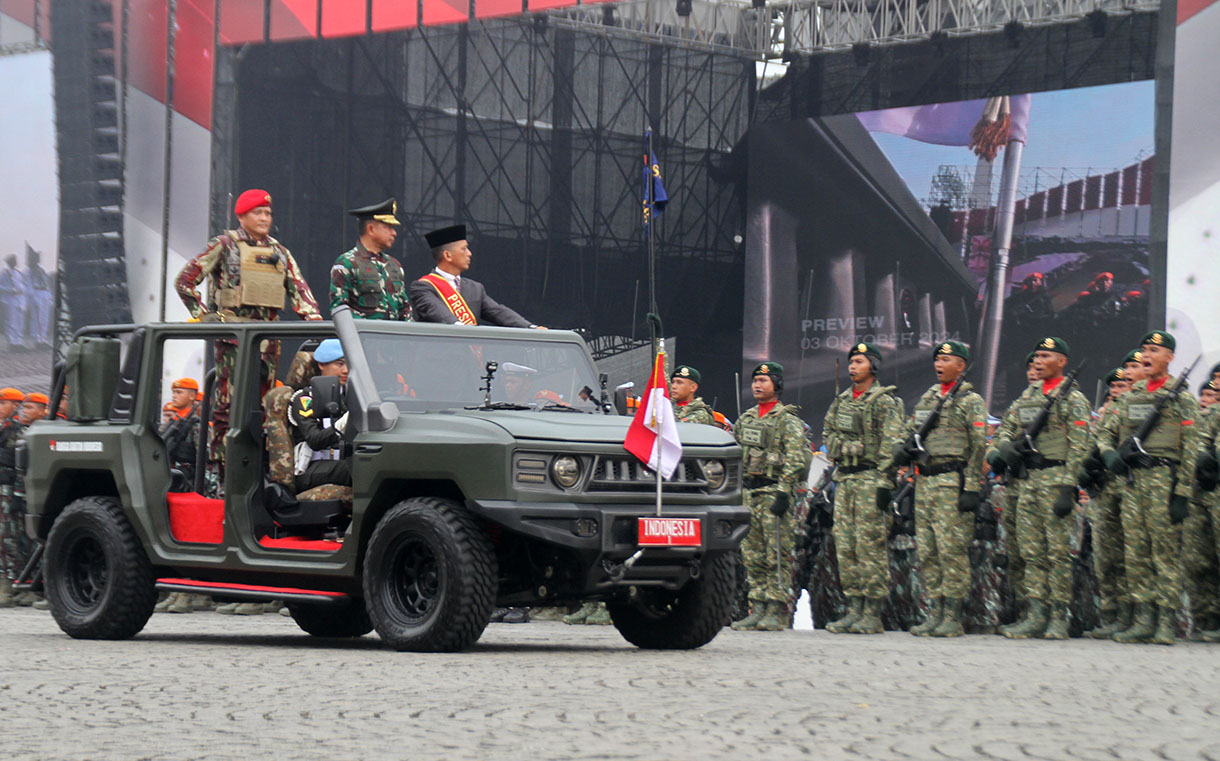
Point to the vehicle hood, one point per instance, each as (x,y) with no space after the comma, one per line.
(599,429)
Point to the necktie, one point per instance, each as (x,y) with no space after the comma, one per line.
(457,283)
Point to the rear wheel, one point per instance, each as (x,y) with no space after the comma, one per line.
(429,577)
(98,580)
(348,619)
(682,620)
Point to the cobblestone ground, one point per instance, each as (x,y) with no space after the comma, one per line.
(205,686)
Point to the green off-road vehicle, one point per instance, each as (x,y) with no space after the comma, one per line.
(487,470)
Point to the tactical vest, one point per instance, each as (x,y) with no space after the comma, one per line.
(1165,440)
(260,281)
(369,287)
(762,439)
(852,422)
(1052,443)
(951,437)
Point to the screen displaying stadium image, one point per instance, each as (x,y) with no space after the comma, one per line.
(881,227)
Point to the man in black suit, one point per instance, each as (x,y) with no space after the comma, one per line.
(444,295)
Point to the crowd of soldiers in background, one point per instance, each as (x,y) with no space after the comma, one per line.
(27,299)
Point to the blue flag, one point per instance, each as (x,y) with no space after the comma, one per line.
(655,197)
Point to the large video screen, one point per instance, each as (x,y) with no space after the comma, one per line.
(881,227)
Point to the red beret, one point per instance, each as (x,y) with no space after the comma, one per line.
(37,398)
(11,394)
(251,199)
(187,383)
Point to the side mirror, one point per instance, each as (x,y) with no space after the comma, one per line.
(620,397)
(326,391)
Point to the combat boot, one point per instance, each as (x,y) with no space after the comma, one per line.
(1112,622)
(1166,628)
(1202,623)
(1142,627)
(40,602)
(249,609)
(1057,626)
(23,599)
(1034,623)
(163,605)
(600,616)
(758,609)
(581,615)
(181,604)
(1210,636)
(869,621)
(273,606)
(935,613)
(774,619)
(951,623)
(6,593)
(202,602)
(855,608)
(227,609)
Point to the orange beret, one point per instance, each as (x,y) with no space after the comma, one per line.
(37,398)
(188,383)
(251,199)
(11,394)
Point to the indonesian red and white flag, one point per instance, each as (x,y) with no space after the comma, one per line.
(653,435)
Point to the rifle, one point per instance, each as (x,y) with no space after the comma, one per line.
(1133,447)
(915,440)
(1034,429)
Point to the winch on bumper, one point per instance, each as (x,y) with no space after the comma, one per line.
(606,536)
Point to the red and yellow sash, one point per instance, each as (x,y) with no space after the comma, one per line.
(451,297)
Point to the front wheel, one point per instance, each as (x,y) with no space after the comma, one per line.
(682,620)
(429,577)
(98,580)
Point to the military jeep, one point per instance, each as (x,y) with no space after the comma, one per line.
(468,491)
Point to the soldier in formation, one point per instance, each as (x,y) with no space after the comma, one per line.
(683,389)
(775,458)
(1201,529)
(861,429)
(13,544)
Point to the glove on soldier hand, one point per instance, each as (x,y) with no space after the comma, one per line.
(1114,461)
(900,454)
(1132,455)
(1013,457)
(996,461)
(1065,502)
(1207,471)
(1179,506)
(341,424)
(968,502)
(780,505)
(884,497)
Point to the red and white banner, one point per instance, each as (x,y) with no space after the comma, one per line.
(653,435)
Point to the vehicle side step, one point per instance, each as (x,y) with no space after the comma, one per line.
(251,592)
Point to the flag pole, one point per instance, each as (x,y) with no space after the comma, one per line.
(650,234)
(993,319)
(660,361)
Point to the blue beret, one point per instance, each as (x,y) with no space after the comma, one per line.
(328,351)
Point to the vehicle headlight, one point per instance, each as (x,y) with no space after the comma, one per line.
(566,471)
(713,471)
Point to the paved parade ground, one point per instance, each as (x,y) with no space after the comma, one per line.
(212,687)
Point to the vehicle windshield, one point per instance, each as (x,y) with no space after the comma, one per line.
(420,373)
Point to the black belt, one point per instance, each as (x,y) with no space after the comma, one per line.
(757,482)
(936,470)
(1044,464)
(1154,462)
(849,469)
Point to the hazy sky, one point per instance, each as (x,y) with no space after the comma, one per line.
(29,193)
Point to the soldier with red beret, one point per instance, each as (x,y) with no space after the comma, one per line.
(251,275)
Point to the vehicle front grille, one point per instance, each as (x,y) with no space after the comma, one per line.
(628,474)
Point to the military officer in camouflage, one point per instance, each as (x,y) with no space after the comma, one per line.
(1201,529)
(947,487)
(1046,471)
(1156,497)
(775,458)
(250,274)
(862,426)
(366,278)
(688,408)
(1008,516)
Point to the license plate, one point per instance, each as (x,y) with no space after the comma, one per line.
(670,532)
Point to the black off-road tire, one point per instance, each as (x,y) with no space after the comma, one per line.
(97,577)
(430,577)
(348,619)
(683,620)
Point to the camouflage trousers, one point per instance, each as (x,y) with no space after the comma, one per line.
(1008,498)
(1106,522)
(1200,548)
(860,533)
(15,545)
(768,548)
(1150,541)
(1045,540)
(222,396)
(944,535)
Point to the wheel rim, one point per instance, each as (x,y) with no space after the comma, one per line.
(85,572)
(414,583)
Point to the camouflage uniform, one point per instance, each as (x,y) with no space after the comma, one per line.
(1150,538)
(372,284)
(775,459)
(1006,496)
(695,411)
(955,464)
(860,434)
(1105,520)
(1201,537)
(15,546)
(221,264)
(1044,539)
